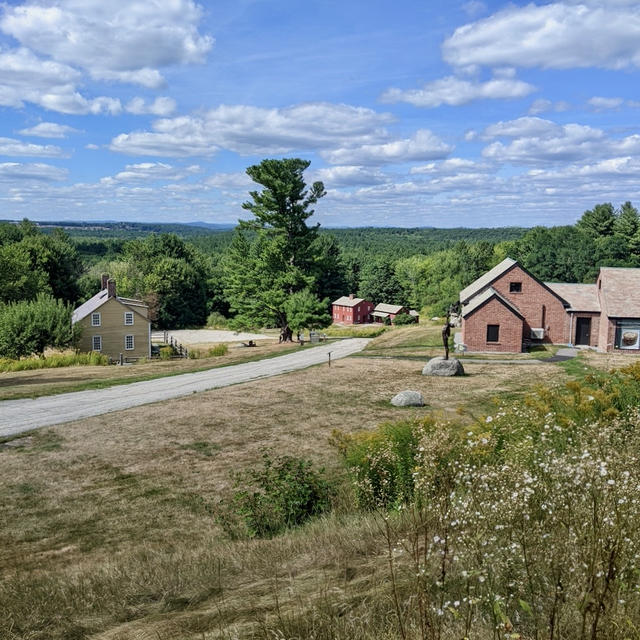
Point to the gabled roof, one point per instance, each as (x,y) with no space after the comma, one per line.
(389,308)
(346,301)
(620,292)
(581,297)
(483,297)
(486,279)
(94,303)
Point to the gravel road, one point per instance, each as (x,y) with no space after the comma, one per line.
(17,416)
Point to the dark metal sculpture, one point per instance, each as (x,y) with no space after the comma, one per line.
(446,329)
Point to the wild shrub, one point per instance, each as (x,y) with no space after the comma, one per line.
(525,524)
(53,361)
(382,463)
(166,353)
(404,318)
(283,493)
(219,350)
(216,320)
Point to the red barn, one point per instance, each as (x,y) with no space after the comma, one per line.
(350,310)
(384,311)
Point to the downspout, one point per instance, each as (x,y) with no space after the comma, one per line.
(571,329)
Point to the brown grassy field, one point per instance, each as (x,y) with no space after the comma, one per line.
(107,525)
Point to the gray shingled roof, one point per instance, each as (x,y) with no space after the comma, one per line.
(92,304)
(389,308)
(486,279)
(346,301)
(581,297)
(620,292)
(485,296)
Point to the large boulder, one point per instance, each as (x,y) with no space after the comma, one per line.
(408,399)
(441,367)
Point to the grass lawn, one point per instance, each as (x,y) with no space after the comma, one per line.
(107,528)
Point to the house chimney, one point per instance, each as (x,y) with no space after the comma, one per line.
(105,279)
(351,296)
(111,288)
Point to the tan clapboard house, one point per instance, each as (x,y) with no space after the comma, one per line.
(114,325)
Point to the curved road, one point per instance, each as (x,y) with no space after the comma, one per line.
(17,416)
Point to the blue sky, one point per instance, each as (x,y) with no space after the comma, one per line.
(412,113)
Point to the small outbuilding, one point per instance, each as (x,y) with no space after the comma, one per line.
(384,311)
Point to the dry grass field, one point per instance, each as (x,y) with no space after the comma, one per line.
(107,525)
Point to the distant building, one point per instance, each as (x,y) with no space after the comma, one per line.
(114,325)
(351,310)
(508,307)
(384,311)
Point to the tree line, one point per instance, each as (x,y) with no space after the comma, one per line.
(276,270)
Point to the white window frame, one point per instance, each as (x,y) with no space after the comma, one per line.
(128,315)
(93,343)
(96,319)
(133,342)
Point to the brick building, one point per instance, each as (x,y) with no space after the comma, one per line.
(350,310)
(508,307)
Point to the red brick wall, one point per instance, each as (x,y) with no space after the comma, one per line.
(594,338)
(529,302)
(474,329)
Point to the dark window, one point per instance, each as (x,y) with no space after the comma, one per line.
(515,287)
(493,332)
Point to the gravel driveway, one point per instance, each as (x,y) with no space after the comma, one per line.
(203,336)
(17,416)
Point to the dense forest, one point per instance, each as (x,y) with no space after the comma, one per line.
(187,272)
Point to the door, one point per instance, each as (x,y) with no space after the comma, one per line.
(583,331)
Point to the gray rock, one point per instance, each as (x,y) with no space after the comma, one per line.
(408,399)
(441,367)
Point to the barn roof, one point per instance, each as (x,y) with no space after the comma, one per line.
(389,308)
(346,301)
(620,292)
(581,297)
(486,279)
(483,297)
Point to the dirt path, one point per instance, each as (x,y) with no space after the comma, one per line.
(17,416)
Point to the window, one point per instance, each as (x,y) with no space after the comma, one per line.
(515,287)
(96,343)
(493,332)
(128,343)
(95,320)
(128,317)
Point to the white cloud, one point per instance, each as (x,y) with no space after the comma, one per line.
(151,171)
(423,145)
(604,104)
(254,130)
(123,40)
(456,91)
(48,130)
(543,142)
(542,105)
(12,171)
(557,35)
(162,106)
(348,176)
(450,166)
(91,146)
(12,147)
(26,78)
(230,181)
(474,8)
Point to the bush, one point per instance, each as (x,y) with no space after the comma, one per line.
(382,462)
(217,321)
(166,353)
(404,318)
(54,361)
(219,350)
(284,493)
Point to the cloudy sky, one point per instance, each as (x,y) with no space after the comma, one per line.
(413,113)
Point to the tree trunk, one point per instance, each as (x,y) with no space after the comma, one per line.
(286,335)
